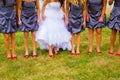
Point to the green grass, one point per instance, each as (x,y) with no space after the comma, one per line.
(62,67)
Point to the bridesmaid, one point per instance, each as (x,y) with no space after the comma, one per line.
(8,25)
(76,11)
(114,25)
(96,21)
(29,20)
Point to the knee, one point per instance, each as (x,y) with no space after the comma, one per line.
(25,35)
(33,34)
(98,32)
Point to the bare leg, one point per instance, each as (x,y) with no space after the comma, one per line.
(90,39)
(78,37)
(34,43)
(50,51)
(112,40)
(26,34)
(72,43)
(7,44)
(118,52)
(13,39)
(98,39)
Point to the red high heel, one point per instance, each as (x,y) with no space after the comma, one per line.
(14,57)
(99,52)
(111,53)
(51,56)
(89,52)
(26,56)
(118,54)
(57,53)
(72,53)
(34,55)
(77,53)
(10,57)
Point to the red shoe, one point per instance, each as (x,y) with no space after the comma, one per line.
(111,53)
(10,57)
(14,57)
(72,53)
(89,52)
(35,56)
(26,56)
(118,54)
(99,52)
(51,56)
(57,53)
(77,53)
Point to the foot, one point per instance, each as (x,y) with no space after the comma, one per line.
(73,52)
(26,56)
(98,51)
(14,56)
(34,55)
(77,52)
(9,56)
(51,55)
(56,51)
(118,54)
(111,53)
(118,51)
(90,51)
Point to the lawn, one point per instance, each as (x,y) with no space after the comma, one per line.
(62,67)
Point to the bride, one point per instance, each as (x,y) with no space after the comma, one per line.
(52,33)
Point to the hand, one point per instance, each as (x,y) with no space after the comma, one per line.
(20,22)
(84,24)
(43,17)
(88,19)
(100,19)
(67,22)
(38,22)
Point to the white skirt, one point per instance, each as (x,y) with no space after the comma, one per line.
(53,31)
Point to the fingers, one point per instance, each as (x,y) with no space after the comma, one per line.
(84,25)
(100,20)
(43,17)
(19,22)
(38,22)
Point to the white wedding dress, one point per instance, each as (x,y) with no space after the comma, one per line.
(52,30)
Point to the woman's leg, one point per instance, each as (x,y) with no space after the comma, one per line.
(118,52)
(13,40)
(73,43)
(34,43)
(90,39)
(112,41)
(50,51)
(26,34)
(78,37)
(7,45)
(55,48)
(98,39)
